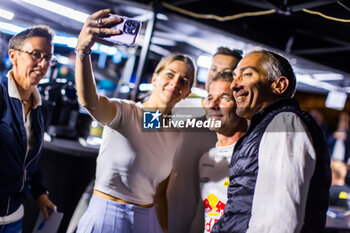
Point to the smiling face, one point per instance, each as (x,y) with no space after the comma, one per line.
(220,64)
(173,83)
(251,89)
(220,105)
(27,70)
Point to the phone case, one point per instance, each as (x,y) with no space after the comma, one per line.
(130,28)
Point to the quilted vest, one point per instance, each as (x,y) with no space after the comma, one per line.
(244,170)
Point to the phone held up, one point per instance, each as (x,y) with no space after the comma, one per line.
(130,28)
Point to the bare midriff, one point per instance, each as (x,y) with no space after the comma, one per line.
(116,199)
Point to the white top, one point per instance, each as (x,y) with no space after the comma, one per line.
(13,93)
(338,153)
(132,161)
(286,164)
(213,174)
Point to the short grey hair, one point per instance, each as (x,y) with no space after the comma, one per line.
(17,40)
(276,66)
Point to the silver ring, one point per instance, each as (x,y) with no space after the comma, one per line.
(99,31)
(99,22)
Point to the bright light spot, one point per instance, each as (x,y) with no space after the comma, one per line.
(6,14)
(59,9)
(204,61)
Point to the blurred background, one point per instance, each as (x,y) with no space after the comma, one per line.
(314,35)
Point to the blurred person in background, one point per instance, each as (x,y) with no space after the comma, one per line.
(339,141)
(224,60)
(110,77)
(213,165)
(65,72)
(321,121)
(22,126)
(133,165)
(339,191)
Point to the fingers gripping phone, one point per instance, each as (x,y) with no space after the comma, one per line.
(130,28)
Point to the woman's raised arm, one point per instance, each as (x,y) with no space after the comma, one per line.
(96,26)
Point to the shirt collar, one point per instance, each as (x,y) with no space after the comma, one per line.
(13,91)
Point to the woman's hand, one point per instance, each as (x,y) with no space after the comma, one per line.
(97,26)
(45,205)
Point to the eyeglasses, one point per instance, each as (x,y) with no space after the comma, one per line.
(38,55)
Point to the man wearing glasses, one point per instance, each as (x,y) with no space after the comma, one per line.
(22,127)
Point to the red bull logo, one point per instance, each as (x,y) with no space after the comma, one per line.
(215,208)
(213,205)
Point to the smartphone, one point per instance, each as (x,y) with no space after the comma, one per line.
(130,28)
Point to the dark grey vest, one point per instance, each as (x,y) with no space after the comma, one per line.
(244,170)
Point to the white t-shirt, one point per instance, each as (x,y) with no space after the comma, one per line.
(133,161)
(338,153)
(213,174)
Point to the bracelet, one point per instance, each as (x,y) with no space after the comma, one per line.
(82,54)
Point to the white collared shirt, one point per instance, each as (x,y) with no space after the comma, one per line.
(13,90)
(287,162)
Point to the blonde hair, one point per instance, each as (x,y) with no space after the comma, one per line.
(339,169)
(177,57)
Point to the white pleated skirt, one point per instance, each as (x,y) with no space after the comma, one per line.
(104,216)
